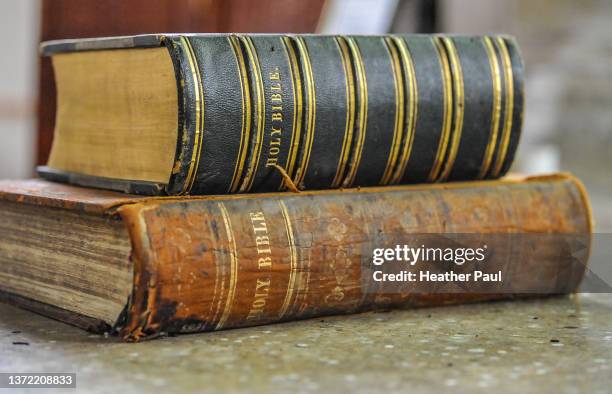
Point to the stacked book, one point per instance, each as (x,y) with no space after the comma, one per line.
(203,182)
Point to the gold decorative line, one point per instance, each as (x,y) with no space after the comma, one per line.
(293,261)
(496,107)
(218,308)
(306,282)
(310,114)
(458,110)
(349,81)
(294,68)
(199,115)
(363,112)
(231,293)
(446,119)
(246,113)
(218,292)
(412,109)
(398,85)
(509,107)
(247,183)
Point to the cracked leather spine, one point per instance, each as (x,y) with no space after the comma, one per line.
(236,261)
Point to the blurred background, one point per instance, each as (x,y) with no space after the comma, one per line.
(566,44)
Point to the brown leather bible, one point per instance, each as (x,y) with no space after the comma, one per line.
(148,266)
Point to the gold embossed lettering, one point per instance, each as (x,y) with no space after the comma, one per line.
(275,75)
(262,290)
(264,262)
(276,118)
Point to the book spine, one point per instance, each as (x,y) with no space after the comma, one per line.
(226,262)
(262,113)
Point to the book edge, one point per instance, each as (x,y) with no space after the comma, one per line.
(75,319)
(48,48)
(98,182)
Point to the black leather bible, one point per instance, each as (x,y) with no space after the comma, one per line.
(215,114)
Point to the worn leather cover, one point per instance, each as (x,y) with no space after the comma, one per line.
(217,262)
(239,261)
(263,113)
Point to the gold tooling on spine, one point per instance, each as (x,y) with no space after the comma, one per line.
(496,108)
(247,183)
(349,81)
(458,109)
(246,113)
(293,260)
(398,85)
(233,267)
(363,112)
(412,109)
(310,113)
(446,120)
(509,108)
(199,116)
(294,68)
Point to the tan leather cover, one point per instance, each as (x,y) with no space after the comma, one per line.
(219,262)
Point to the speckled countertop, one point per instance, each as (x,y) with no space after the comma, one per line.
(553,345)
